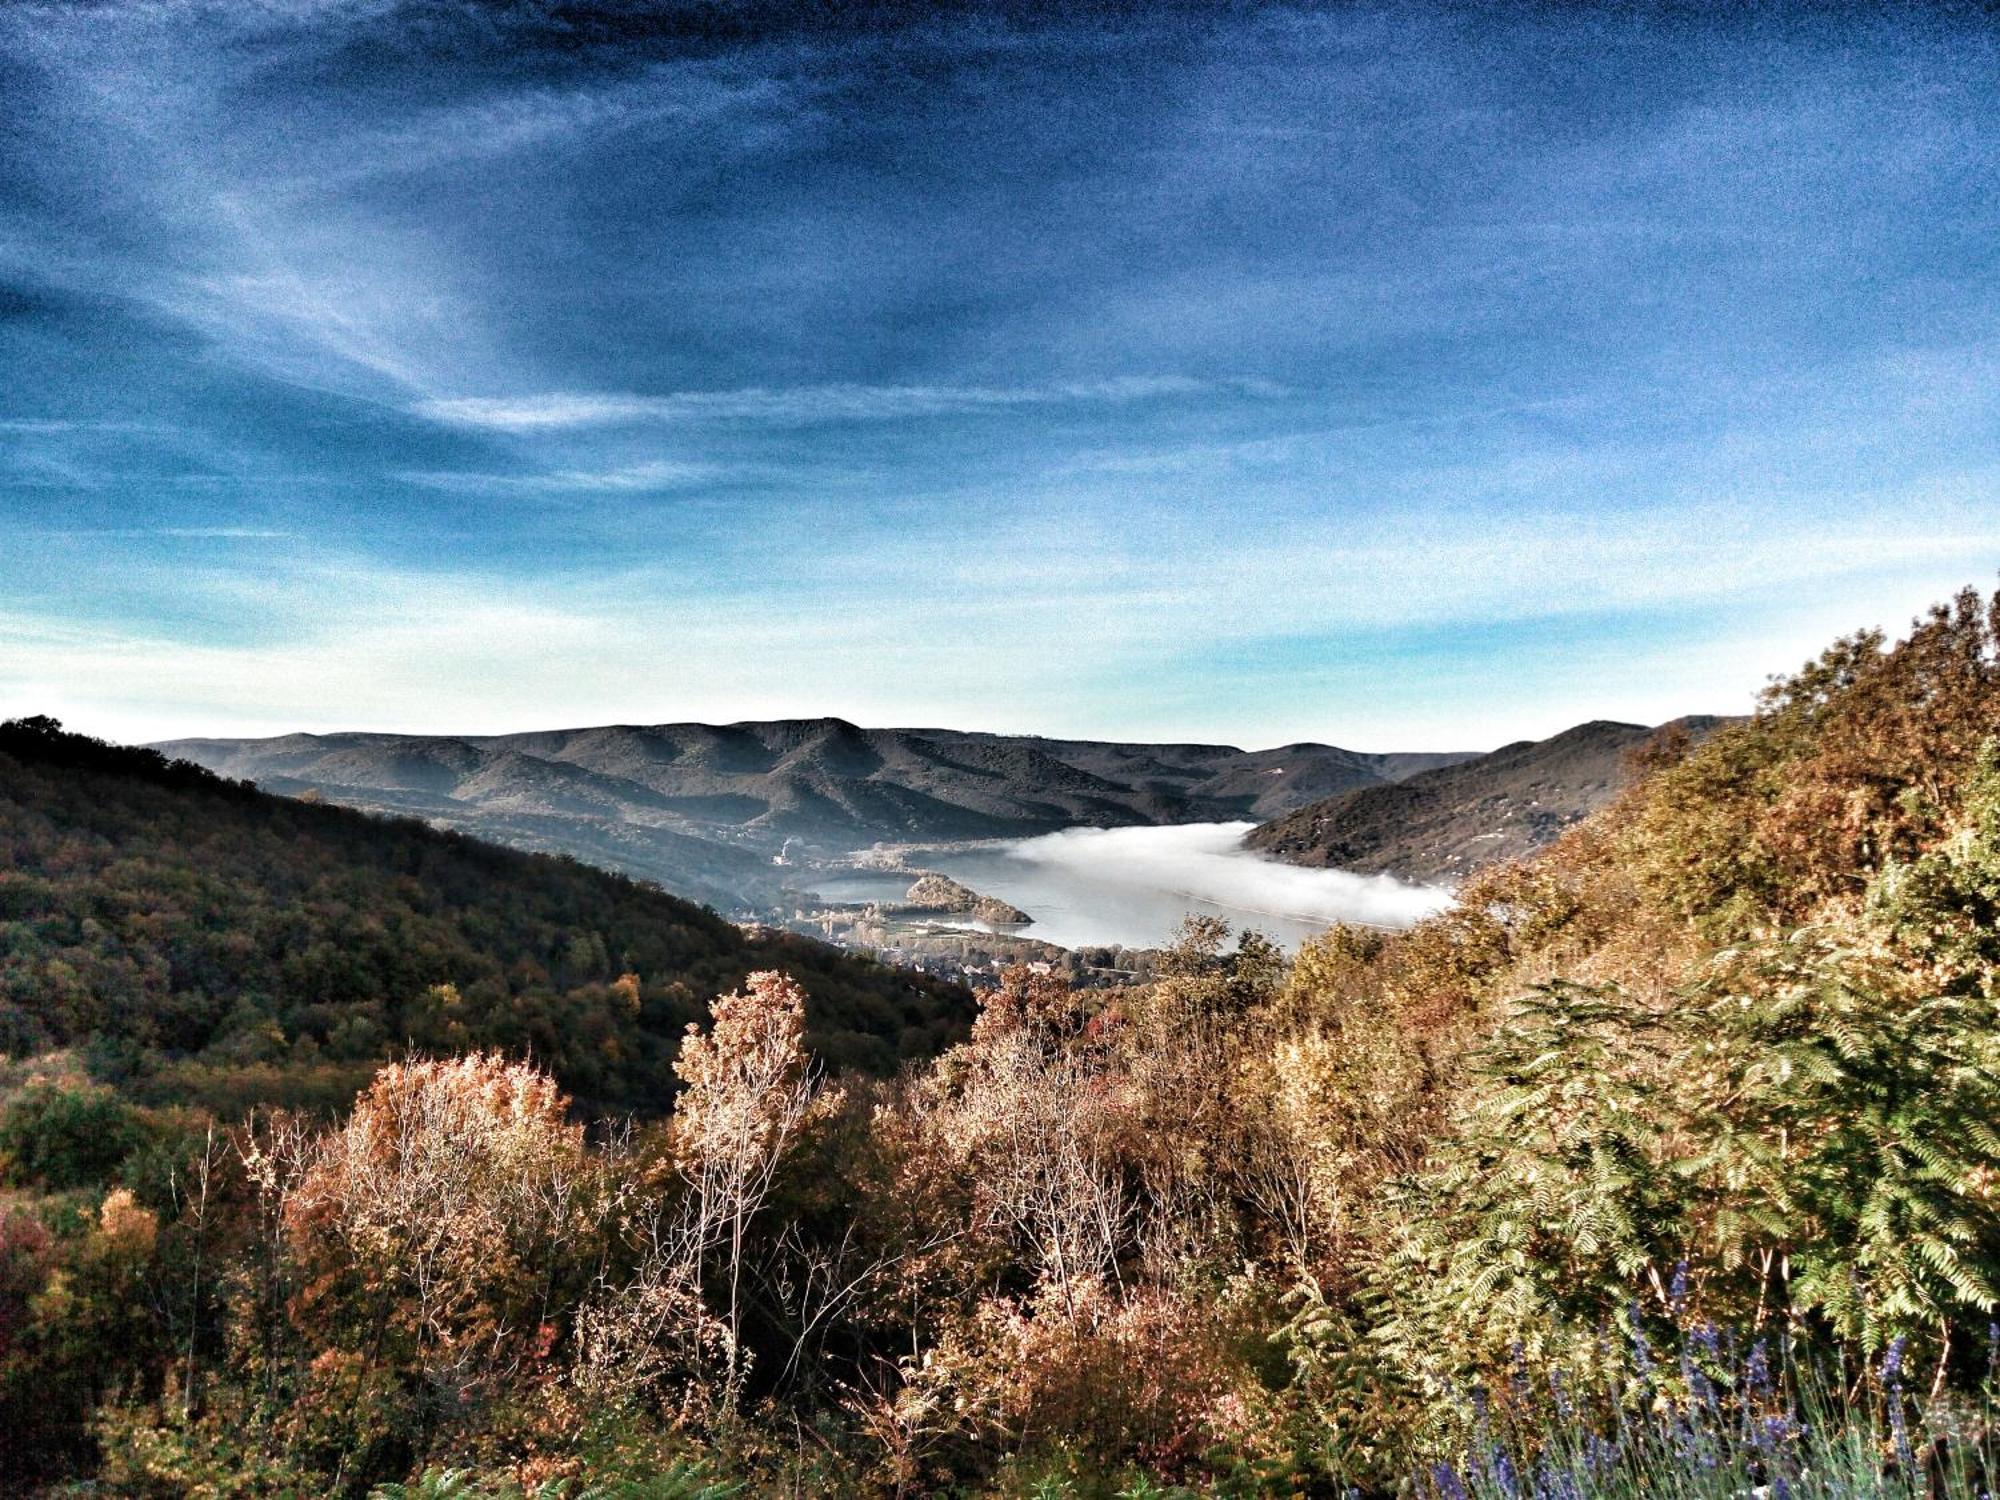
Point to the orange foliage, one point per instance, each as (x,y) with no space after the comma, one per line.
(433,1220)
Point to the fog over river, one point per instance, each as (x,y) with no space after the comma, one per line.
(1132,886)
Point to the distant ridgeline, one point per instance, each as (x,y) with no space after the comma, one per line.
(1447,822)
(701,808)
(199,939)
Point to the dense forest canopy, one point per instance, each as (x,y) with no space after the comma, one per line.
(196,939)
(1664,1162)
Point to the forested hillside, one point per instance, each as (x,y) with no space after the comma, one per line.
(1446,822)
(198,939)
(1663,1163)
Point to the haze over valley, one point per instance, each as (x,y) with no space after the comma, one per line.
(825,825)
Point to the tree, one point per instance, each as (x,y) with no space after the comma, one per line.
(444,1223)
(66,1134)
(1029,1109)
(749,1089)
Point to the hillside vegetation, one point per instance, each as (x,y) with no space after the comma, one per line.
(1663,1163)
(202,940)
(1446,822)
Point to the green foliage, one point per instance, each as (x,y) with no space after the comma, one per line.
(201,940)
(1846,1138)
(68,1134)
(1551,1198)
(1817,1139)
(680,1481)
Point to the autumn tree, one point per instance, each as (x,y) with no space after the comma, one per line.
(1029,1108)
(1851,762)
(749,1088)
(440,1228)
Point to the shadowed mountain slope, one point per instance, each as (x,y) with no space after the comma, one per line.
(1443,823)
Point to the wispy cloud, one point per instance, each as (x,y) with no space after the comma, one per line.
(175,533)
(224,533)
(57,426)
(682,96)
(809,405)
(650,477)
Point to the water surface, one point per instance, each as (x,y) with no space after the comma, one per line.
(1088,887)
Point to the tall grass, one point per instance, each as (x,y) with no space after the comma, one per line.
(679,1481)
(1732,1423)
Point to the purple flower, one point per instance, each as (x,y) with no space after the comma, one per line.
(1757,1369)
(1708,1341)
(1599,1454)
(1555,1483)
(1773,1433)
(1703,1390)
(1642,1356)
(1899,1428)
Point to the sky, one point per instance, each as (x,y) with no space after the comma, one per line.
(1400,377)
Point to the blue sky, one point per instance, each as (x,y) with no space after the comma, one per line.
(1398,377)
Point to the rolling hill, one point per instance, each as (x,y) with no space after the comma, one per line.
(1445,822)
(702,808)
(197,938)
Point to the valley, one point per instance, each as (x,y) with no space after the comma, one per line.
(1098,904)
(959,853)
(766,821)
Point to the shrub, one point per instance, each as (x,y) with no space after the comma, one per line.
(62,1135)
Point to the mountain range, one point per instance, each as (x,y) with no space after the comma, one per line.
(1441,824)
(704,808)
(725,813)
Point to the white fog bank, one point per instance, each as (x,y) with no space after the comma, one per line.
(1132,886)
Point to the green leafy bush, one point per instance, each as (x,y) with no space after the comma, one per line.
(61,1135)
